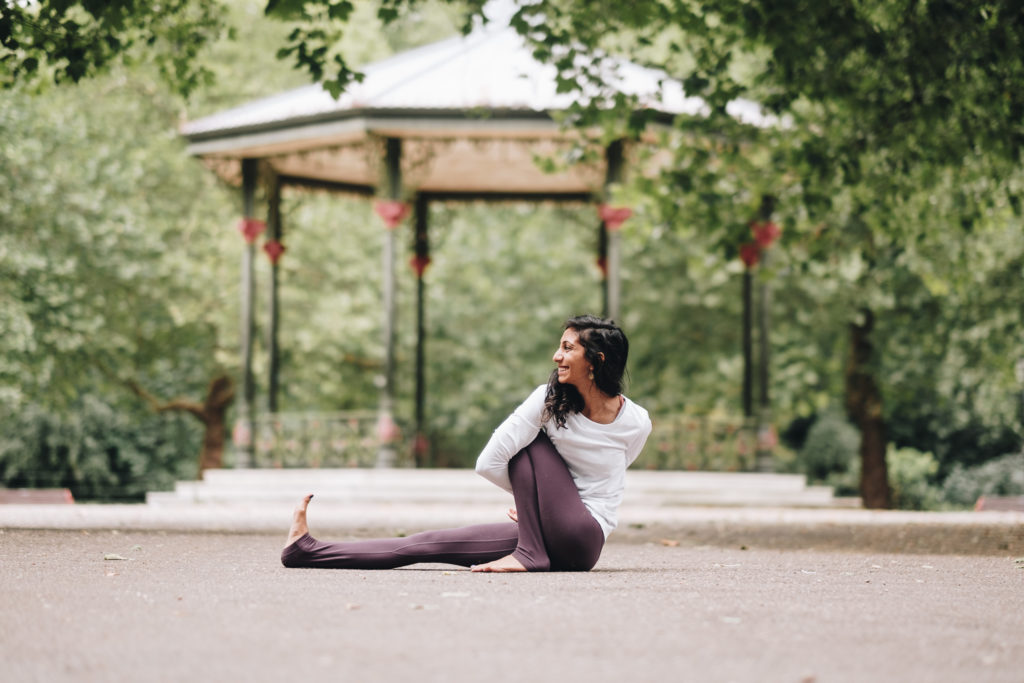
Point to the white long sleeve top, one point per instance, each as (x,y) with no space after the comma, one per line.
(597,454)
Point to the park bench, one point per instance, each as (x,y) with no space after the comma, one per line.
(1000,503)
(35,496)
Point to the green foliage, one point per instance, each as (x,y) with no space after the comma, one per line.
(101,451)
(330,292)
(87,281)
(70,40)
(106,275)
(487,349)
(319,44)
(912,476)
(830,448)
(1003,476)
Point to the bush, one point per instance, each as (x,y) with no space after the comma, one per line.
(912,479)
(1003,476)
(831,448)
(98,451)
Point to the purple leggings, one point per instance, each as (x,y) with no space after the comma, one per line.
(555,531)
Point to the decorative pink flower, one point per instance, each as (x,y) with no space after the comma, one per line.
(765,232)
(750,254)
(391,211)
(240,434)
(274,250)
(614,216)
(251,228)
(419,264)
(387,429)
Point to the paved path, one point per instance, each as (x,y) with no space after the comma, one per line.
(213,606)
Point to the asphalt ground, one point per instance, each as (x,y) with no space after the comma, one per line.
(661,605)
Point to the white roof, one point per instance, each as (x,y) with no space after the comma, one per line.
(485,86)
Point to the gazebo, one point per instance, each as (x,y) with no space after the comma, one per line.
(463,119)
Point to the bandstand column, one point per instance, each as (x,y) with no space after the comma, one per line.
(250,228)
(765,232)
(755,254)
(274,248)
(392,210)
(602,263)
(419,263)
(750,255)
(612,219)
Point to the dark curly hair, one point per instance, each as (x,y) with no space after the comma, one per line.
(597,336)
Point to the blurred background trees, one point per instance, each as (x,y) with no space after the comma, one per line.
(897,183)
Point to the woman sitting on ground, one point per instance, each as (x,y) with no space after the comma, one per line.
(562,454)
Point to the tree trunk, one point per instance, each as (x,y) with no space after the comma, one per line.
(864,407)
(215,408)
(212,413)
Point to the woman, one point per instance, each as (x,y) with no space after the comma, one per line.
(562,454)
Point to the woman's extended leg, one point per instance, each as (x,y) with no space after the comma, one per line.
(463,546)
(556,531)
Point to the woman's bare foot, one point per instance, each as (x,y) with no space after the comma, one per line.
(299,527)
(505,564)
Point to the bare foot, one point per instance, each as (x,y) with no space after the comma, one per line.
(505,564)
(299,527)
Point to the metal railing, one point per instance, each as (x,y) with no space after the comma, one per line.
(315,439)
(687,442)
(350,439)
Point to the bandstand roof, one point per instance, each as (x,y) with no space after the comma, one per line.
(473,112)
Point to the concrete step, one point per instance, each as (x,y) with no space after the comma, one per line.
(464,487)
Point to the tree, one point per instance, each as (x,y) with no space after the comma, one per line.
(68,40)
(212,413)
(910,88)
(102,265)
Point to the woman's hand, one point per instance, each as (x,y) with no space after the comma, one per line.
(513,515)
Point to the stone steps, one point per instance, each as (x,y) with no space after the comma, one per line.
(465,487)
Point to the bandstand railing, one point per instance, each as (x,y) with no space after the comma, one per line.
(318,439)
(350,439)
(687,442)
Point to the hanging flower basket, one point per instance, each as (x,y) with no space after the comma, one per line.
(750,254)
(419,264)
(765,232)
(251,228)
(614,216)
(274,250)
(391,211)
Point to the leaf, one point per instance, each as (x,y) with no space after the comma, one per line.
(114,556)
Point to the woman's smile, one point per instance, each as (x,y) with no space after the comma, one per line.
(573,367)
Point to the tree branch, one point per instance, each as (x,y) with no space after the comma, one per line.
(158,406)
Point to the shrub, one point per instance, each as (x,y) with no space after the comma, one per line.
(98,451)
(912,478)
(1003,476)
(830,449)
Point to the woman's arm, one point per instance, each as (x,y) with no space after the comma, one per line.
(512,436)
(637,444)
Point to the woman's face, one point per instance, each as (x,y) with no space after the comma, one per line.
(573,367)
